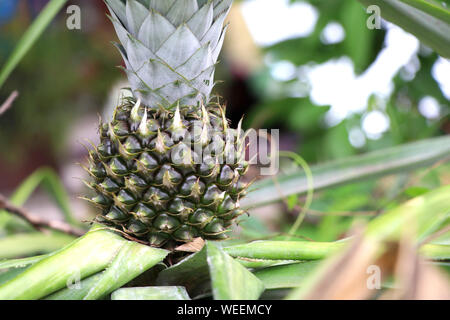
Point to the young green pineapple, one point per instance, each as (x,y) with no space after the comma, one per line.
(168,168)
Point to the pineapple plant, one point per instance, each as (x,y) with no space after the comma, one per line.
(168,168)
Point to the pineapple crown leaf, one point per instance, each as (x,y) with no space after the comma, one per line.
(170,48)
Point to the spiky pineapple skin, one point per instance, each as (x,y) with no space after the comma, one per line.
(144,191)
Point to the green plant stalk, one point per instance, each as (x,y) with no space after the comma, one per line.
(284,250)
(370,165)
(29,38)
(85,256)
(311,250)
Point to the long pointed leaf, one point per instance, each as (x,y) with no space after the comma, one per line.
(191,273)
(83,257)
(132,260)
(229,279)
(374,164)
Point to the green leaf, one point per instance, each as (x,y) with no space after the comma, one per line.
(427,20)
(374,164)
(27,244)
(229,279)
(77,291)
(191,273)
(83,257)
(30,37)
(286,276)
(77,268)
(132,260)
(5,276)
(151,293)
(195,271)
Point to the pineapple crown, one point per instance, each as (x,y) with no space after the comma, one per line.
(170,47)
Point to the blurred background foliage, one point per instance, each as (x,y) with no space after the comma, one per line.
(68,79)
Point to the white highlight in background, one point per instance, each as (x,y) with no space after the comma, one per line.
(272,21)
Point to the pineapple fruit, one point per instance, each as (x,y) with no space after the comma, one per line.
(168,168)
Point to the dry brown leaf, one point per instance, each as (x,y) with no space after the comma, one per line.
(415,278)
(194,246)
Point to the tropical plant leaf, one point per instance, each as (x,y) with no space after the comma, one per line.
(427,20)
(229,279)
(76,291)
(374,164)
(151,293)
(191,273)
(195,273)
(7,275)
(132,260)
(30,37)
(83,257)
